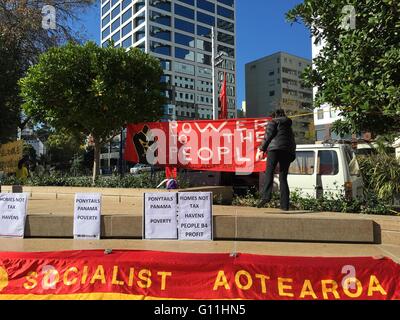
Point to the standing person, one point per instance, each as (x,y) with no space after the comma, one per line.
(22,172)
(280,144)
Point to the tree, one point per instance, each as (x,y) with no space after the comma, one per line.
(358,68)
(93,91)
(25,32)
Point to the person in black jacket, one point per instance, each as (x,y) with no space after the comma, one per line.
(280,145)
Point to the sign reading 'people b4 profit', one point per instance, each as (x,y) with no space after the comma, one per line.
(195,215)
(87,215)
(13,214)
(183,216)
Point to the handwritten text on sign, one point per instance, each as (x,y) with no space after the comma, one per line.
(87,216)
(160,216)
(195,215)
(12,214)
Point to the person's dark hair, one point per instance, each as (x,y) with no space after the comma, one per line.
(21,163)
(280,113)
(273,114)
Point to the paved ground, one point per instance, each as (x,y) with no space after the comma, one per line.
(264,248)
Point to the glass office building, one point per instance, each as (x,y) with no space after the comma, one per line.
(178,32)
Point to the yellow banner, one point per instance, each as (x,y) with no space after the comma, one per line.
(10,154)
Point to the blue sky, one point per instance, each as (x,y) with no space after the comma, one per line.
(261,30)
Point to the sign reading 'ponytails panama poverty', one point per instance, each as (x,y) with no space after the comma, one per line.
(212,145)
(164,275)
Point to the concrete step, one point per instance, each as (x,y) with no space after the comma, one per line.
(269,227)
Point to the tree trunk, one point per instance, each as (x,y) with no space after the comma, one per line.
(96,162)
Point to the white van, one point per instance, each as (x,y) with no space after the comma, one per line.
(322,169)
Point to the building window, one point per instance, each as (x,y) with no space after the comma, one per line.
(206,5)
(226,13)
(226,25)
(271,93)
(127,29)
(105,20)
(227,2)
(203,31)
(271,73)
(320,114)
(184,12)
(115,25)
(105,8)
(115,12)
(184,25)
(127,42)
(160,18)
(126,3)
(161,48)
(184,54)
(205,18)
(184,40)
(126,15)
(189,2)
(163,5)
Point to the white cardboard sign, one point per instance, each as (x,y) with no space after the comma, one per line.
(87,215)
(160,216)
(195,216)
(13,207)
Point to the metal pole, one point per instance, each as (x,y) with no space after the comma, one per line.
(214,74)
(120,152)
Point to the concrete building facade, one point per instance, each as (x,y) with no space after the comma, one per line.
(274,82)
(179,33)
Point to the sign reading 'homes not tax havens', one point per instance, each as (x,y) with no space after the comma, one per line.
(13,214)
(183,216)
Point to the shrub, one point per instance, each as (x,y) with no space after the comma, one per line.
(381,175)
(143,181)
(371,204)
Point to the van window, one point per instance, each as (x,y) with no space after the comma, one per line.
(328,163)
(351,158)
(304,163)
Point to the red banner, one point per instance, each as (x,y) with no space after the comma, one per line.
(162,275)
(210,145)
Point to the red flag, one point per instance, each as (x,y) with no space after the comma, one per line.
(171,172)
(223,100)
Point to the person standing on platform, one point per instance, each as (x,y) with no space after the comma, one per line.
(280,145)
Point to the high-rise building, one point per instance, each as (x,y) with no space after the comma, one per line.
(274,82)
(179,33)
